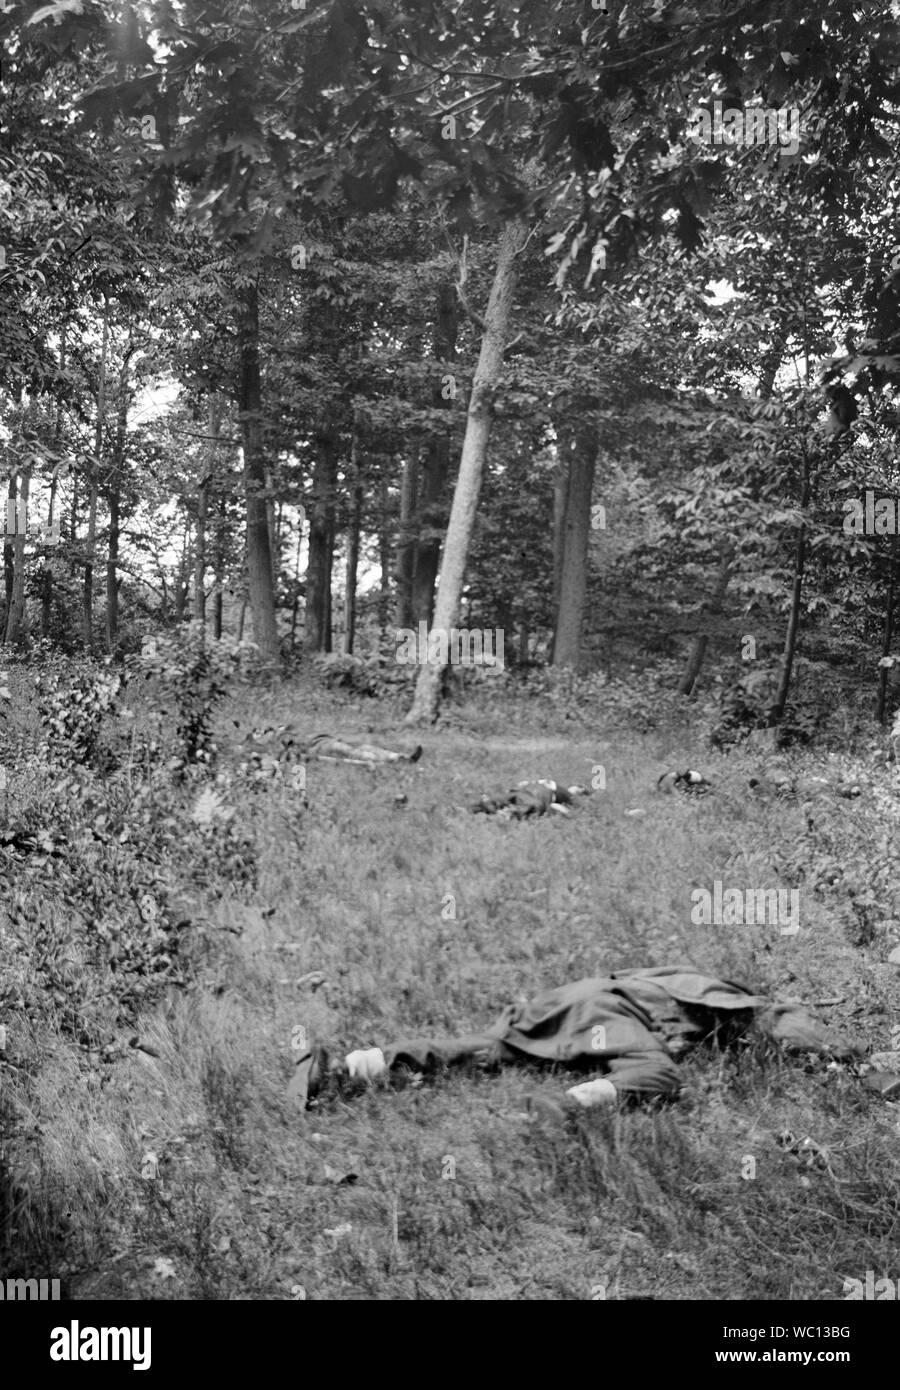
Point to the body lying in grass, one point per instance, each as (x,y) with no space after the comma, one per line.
(531,798)
(628,1027)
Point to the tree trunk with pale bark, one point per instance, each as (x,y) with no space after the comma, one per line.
(259,555)
(435,467)
(471,468)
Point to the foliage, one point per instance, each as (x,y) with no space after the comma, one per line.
(72,707)
(343,672)
(102,881)
(370,677)
(195,674)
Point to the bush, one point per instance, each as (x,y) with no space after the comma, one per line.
(371,677)
(747,703)
(99,878)
(72,708)
(195,674)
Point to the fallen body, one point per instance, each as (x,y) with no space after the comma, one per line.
(628,1027)
(336,750)
(327,748)
(531,799)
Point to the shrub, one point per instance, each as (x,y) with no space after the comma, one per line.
(72,708)
(373,677)
(195,674)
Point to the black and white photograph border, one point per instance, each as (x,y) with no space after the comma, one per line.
(449,796)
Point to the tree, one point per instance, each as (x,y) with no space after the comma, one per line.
(471,468)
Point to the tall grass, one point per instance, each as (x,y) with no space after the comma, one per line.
(176,1168)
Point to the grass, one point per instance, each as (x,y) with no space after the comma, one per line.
(423,918)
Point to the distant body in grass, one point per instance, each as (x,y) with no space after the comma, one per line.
(531,798)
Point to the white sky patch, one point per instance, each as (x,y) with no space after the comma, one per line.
(153,401)
(720,292)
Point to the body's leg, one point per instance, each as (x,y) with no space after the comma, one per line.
(432,1055)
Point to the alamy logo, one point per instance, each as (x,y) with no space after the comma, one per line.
(877,1290)
(21,1290)
(17,524)
(77,1343)
(754,125)
(871,515)
(482,647)
(736,907)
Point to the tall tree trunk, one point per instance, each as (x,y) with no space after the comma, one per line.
(9,568)
(87,603)
(184,569)
(711,608)
(296,603)
(888,633)
(436,465)
(273,530)
(200,554)
(576,534)
(384,560)
(329,597)
(321,547)
(73,528)
(560,499)
(776,713)
(352,553)
(46,568)
(114,499)
(87,608)
(221,522)
(46,599)
(259,556)
(216,503)
(112,563)
(471,468)
(15,612)
(407,545)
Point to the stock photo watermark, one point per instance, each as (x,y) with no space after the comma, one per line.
(17,524)
(461,646)
(871,516)
(738,907)
(78,1343)
(883,1290)
(754,125)
(25,1290)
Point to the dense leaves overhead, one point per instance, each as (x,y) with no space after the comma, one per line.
(257,108)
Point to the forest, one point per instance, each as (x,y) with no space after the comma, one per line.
(433,432)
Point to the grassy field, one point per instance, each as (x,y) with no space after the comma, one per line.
(449,1190)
